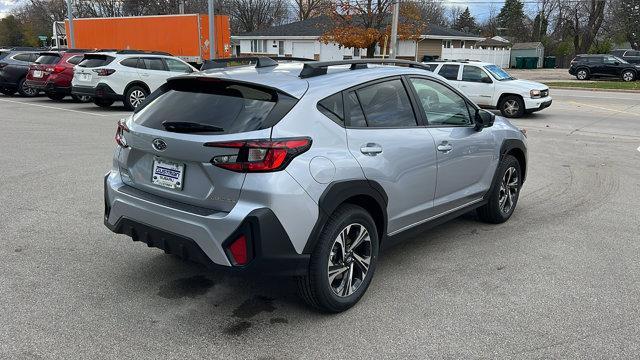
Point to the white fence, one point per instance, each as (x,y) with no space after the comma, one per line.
(499,57)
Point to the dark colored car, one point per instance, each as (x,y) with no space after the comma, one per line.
(14,65)
(52,73)
(629,55)
(584,67)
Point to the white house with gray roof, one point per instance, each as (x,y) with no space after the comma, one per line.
(301,39)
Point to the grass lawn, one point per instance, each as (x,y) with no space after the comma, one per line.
(617,85)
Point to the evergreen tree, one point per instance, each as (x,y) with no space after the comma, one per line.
(511,19)
(466,22)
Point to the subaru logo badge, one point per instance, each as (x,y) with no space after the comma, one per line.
(159,144)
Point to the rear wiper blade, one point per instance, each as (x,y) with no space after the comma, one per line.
(189,127)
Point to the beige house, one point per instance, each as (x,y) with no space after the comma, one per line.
(301,39)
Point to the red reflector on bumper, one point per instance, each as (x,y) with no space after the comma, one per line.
(238,250)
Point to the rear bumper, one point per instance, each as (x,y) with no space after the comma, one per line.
(49,87)
(199,234)
(102,91)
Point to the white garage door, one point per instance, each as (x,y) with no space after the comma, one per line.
(303,49)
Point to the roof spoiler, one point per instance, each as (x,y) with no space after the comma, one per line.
(320,68)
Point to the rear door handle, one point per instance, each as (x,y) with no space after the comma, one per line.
(371,149)
(445,147)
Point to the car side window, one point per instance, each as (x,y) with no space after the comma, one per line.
(177,66)
(23,57)
(449,72)
(154,64)
(354,110)
(332,107)
(386,104)
(442,106)
(610,60)
(75,60)
(130,62)
(474,74)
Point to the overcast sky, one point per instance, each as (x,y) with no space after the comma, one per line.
(479,8)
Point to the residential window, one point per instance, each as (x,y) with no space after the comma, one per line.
(258,46)
(463,44)
(281,48)
(356,51)
(446,44)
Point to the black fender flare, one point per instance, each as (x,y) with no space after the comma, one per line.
(337,193)
(510,144)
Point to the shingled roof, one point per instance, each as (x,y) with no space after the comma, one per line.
(319,25)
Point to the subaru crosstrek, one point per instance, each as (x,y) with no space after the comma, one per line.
(307,169)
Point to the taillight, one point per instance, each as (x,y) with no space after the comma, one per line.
(120,130)
(260,155)
(239,251)
(58,69)
(103,72)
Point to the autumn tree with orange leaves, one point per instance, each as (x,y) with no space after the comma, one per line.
(364,24)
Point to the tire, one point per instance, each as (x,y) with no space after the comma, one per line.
(582,74)
(26,91)
(334,295)
(104,103)
(628,75)
(495,211)
(7,91)
(512,106)
(56,96)
(82,98)
(134,96)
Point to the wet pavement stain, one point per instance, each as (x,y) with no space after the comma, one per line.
(19,249)
(237,328)
(186,287)
(254,306)
(278,320)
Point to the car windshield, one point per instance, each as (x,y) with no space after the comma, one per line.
(498,73)
(622,61)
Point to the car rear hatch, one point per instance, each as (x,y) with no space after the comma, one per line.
(44,66)
(169,150)
(86,72)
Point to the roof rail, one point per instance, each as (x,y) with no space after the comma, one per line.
(261,61)
(74,51)
(28,48)
(131,52)
(320,68)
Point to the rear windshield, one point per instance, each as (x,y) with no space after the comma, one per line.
(48,59)
(3,54)
(91,61)
(224,107)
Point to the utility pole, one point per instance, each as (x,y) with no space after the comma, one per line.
(212,32)
(70,39)
(393,49)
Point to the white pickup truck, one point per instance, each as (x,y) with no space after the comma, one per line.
(491,87)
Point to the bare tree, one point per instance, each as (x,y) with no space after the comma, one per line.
(251,15)
(305,9)
(432,12)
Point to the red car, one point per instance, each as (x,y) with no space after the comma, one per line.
(52,73)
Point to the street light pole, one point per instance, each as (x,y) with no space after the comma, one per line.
(212,32)
(70,38)
(393,48)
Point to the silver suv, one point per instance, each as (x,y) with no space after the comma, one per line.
(307,169)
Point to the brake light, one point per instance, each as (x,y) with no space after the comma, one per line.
(260,155)
(239,250)
(58,69)
(103,72)
(120,130)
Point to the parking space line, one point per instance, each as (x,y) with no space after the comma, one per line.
(55,108)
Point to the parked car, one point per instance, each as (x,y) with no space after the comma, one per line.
(587,66)
(14,65)
(52,73)
(629,55)
(491,87)
(307,169)
(127,76)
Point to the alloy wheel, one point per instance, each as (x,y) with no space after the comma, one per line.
(582,74)
(508,190)
(627,76)
(136,98)
(29,91)
(511,107)
(349,260)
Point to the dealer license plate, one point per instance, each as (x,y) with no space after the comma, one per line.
(167,174)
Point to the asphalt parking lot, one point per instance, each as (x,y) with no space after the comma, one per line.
(561,279)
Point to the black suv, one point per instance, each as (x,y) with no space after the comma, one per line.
(585,66)
(629,55)
(14,66)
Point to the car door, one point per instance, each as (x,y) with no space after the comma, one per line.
(477,85)
(450,72)
(466,158)
(612,66)
(153,72)
(597,66)
(131,69)
(393,149)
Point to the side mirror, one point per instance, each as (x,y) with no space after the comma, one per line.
(484,119)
